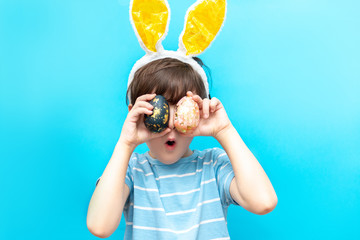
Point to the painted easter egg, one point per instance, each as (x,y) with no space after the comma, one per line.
(158,121)
(187,115)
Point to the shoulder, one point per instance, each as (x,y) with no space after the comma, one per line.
(213,154)
(136,158)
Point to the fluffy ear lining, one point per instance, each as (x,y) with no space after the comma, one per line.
(150,19)
(203,21)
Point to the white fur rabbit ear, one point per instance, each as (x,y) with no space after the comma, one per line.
(203,21)
(150,20)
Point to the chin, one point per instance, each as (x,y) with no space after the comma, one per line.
(165,154)
(169,158)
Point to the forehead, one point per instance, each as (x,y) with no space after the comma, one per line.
(173,97)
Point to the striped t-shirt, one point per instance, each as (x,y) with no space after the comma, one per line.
(185,200)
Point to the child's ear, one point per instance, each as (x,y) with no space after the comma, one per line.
(130,107)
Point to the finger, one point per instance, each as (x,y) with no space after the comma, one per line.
(198,100)
(160,134)
(137,115)
(188,134)
(214,102)
(192,133)
(142,110)
(205,108)
(146,97)
(143,104)
(189,94)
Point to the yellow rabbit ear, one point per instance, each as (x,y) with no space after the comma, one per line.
(149,19)
(202,23)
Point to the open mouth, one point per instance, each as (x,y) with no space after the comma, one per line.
(170,145)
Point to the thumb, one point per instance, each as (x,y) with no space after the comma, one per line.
(163,133)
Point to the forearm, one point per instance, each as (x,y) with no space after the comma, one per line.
(107,201)
(252,182)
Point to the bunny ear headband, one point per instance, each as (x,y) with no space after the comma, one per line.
(150,20)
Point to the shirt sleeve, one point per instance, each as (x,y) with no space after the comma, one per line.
(224,174)
(97,181)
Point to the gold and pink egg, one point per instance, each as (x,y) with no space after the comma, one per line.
(187,115)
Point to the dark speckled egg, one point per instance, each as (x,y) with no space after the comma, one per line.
(158,121)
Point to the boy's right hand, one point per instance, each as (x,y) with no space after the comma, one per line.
(134,131)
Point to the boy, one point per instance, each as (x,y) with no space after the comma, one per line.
(172,192)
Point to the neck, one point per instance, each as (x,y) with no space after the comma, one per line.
(188,153)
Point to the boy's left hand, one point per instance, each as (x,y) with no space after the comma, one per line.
(213,117)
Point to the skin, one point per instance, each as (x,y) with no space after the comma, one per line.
(157,147)
(250,187)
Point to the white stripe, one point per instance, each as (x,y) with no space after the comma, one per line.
(140,170)
(153,228)
(181,212)
(182,231)
(176,193)
(176,175)
(178,212)
(180,193)
(223,154)
(224,166)
(149,208)
(212,220)
(147,189)
(227,177)
(173,175)
(208,201)
(143,161)
(194,209)
(225,183)
(215,163)
(208,181)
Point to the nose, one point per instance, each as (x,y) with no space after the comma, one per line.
(171,116)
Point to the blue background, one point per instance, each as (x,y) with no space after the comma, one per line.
(287,72)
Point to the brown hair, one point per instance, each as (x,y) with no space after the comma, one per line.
(168,77)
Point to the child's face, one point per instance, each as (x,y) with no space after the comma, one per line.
(170,152)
